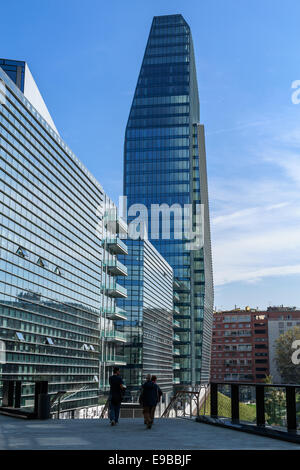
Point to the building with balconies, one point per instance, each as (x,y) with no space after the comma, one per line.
(149,309)
(60,235)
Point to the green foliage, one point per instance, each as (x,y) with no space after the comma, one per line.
(289,372)
(247,412)
(275,402)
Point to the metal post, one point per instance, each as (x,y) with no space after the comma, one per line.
(58,408)
(214,400)
(291,408)
(8,393)
(260,405)
(235,403)
(18,388)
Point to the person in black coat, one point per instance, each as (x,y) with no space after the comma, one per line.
(116,393)
(150,396)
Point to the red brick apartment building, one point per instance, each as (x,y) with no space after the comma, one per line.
(243,342)
(240,346)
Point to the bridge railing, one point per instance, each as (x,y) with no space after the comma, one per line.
(269,409)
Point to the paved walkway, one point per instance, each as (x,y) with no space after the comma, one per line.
(170,434)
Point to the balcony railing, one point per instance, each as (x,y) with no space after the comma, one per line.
(176,366)
(176,352)
(116,360)
(265,409)
(176,338)
(176,380)
(115,267)
(176,323)
(115,245)
(113,289)
(115,313)
(114,223)
(114,336)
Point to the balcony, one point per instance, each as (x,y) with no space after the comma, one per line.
(114,223)
(114,336)
(176,337)
(115,267)
(176,297)
(176,380)
(115,246)
(116,361)
(180,286)
(176,324)
(114,289)
(115,314)
(176,366)
(176,310)
(176,352)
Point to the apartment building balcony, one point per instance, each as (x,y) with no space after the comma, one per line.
(176,337)
(116,361)
(176,310)
(114,223)
(176,324)
(115,267)
(176,352)
(114,336)
(115,246)
(176,297)
(115,313)
(115,290)
(176,380)
(180,286)
(176,366)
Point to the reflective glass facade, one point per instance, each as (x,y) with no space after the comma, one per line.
(149,310)
(15,69)
(164,162)
(55,305)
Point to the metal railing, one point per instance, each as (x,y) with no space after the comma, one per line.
(187,403)
(267,409)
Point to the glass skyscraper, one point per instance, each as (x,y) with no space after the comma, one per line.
(165,163)
(149,311)
(58,244)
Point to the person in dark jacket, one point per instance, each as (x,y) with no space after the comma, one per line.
(117,389)
(151,394)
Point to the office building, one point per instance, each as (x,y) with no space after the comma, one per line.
(149,327)
(59,243)
(165,163)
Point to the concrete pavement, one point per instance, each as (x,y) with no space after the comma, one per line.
(130,434)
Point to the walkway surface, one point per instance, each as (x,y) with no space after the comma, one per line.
(88,434)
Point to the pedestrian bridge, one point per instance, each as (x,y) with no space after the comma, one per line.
(129,434)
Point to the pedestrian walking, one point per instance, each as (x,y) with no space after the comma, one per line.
(150,396)
(117,390)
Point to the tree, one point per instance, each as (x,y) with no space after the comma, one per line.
(289,372)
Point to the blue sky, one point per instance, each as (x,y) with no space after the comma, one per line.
(85,57)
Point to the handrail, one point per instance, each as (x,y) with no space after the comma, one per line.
(273,414)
